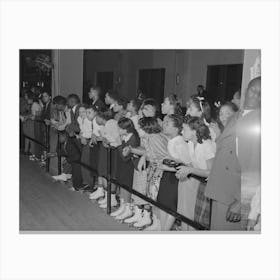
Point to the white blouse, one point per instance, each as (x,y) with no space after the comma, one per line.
(201,153)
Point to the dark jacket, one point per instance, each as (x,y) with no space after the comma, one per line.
(46,111)
(224,182)
(99,105)
(74,127)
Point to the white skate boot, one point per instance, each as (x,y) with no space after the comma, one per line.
(104,199)
(119,210)
(136,217)
(114,202)
(126,213)
(97,194)
(144,221)
(155,226)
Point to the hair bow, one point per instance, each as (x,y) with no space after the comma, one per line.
(217,104)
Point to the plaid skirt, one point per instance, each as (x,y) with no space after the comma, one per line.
(202,209)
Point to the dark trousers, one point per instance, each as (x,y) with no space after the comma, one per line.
(73,149)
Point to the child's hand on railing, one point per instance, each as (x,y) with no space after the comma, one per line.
(126,151)
(183,172)
(83,140)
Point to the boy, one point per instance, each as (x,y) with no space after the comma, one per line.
(120,108)
(87,175)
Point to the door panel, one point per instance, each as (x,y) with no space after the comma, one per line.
(151,83)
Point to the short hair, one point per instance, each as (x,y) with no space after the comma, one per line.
(150,101)
(60,100)
(173,99)
(231,105)
(136,103)
(96,88)
(74,96)
(255,86)
(122,101)
(30,94)
(177,121)
(197,124)
(83,105)
(113,94)
(47,92)
(127,124)
(202,105)
(105,114)
(92,107)
(150,125)
(237,92)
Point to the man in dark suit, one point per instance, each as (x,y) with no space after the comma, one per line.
(73,145)
(46,111)
(224,182)
(95,97)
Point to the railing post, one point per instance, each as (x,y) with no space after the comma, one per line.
(47,141)
(58,153)
(108,180)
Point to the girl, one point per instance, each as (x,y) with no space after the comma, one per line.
(199,107)
(202,151)
(124,164)
(226,111)
(132,111)
(153,151)
(178,150)
(110,137)
(171,105)
(119,108)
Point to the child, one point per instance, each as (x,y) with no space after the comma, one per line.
(202,152)
(120,108)
(154,150)
(171,105)
(84,123)
(226,111)
(236,98)
(86,133)
(132,111)
(109,135)
(178,150)
(124,164)
(199,107)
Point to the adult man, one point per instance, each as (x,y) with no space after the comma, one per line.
(94,95)
(248,132)
(235,156)
(46,111)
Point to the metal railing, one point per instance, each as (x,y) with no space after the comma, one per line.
(111,181)
(45,144)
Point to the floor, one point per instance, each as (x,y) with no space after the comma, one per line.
(49,206)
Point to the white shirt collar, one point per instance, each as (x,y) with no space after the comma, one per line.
(112,106)
(127,137)
(74,108)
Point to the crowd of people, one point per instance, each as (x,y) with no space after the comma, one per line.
(202,161)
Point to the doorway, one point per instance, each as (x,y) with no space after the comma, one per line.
(105,80)
(223,81)
(151,83)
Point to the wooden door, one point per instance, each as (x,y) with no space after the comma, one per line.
(151,83)
(223,81)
